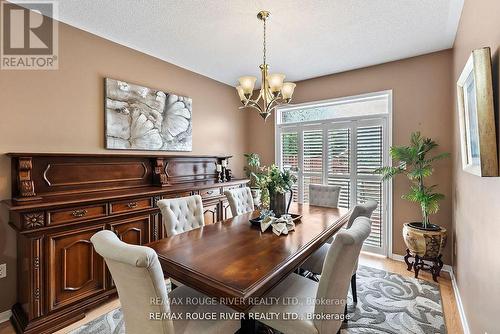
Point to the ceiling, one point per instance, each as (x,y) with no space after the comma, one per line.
(222,39)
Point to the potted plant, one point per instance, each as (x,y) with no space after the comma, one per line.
(275,184)
(424,238)
(252,170)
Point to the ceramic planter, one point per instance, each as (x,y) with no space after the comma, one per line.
(424,243)
(278,203)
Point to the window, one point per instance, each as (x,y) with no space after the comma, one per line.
(340,142)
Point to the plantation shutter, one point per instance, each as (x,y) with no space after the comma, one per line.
(313,159)
(343,150)
(290,155)
(369,156)
(339,156)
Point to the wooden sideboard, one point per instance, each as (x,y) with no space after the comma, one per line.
(60,200)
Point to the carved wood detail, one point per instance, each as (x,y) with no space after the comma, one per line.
(36,304)
(26,186)
(34,220)
(160,174)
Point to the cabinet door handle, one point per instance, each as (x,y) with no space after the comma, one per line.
(132,205)
(79,213)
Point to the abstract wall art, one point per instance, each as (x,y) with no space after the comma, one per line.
(142,118)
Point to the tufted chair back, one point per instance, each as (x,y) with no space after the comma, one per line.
(336,274)
(240,200)
(324,195)
(181,214)
(138,277)
(364,210)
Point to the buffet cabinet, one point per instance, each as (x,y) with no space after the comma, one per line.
(61,200)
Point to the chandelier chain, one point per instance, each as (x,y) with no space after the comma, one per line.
(264,44)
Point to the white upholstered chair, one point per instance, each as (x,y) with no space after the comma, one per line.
(314,263)
(324,195)
(333,285)
(240,200)
(141,288)
(181,214)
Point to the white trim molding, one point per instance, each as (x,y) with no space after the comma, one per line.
(5,316)
(460,306)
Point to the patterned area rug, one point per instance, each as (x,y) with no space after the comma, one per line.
(394,304)
(388,303)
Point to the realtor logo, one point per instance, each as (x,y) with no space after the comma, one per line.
(29,36)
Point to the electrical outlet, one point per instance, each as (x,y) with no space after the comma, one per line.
(3,270)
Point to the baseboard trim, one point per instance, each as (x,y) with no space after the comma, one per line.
(398,257)
(460,306)
(4,316)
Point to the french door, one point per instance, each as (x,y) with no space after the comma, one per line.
(343,153)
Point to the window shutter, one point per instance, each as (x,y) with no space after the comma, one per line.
(372,190)
(290,155)
(313,151)
(345,191)
(368,149)
(338,151)
(369,157)
(313,160)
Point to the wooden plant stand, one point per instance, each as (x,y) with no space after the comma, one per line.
(420,264)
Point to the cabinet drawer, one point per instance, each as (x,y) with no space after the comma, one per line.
(230,187)
(212,192)
(56,217)
(130,205)
(177,195)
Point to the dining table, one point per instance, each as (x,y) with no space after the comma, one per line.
(237,263)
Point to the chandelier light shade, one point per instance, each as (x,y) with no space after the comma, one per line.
(273,92)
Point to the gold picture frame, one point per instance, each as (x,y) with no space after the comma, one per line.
(476,115)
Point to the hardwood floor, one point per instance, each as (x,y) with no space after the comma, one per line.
(452,317)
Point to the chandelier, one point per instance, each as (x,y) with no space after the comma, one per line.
(273,92)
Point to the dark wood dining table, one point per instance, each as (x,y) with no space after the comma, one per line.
(235,262)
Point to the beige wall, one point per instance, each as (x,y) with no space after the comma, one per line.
(476,200)
(62,111)
(422,100)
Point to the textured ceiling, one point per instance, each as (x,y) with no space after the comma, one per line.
(222,39)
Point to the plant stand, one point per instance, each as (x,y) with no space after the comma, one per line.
(420,264)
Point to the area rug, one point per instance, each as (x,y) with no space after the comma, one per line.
(388,303)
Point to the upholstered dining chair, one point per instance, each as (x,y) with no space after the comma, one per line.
(240,200)
(314,263)
(324,195)
(141,288)
(181,214)
(333,286)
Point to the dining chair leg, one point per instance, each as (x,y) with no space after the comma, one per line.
(345,314)
(247,325)
(353,287)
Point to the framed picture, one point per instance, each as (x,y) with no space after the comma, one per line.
(143,118)
(477,116)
